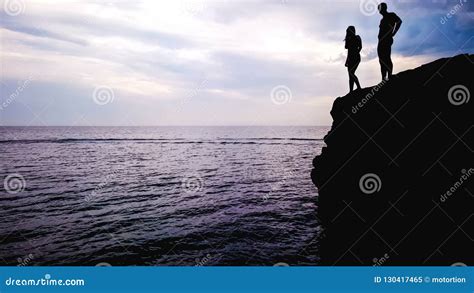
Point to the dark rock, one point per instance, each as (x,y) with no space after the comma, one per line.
(412,139)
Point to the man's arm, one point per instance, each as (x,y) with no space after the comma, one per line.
(398,22)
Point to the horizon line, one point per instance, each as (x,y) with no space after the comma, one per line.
(165,125)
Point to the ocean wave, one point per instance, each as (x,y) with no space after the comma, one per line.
(160,140)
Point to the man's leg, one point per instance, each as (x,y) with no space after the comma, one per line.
(380,54)
(385,61)
(389,60)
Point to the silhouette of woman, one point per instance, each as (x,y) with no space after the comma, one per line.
(353,46)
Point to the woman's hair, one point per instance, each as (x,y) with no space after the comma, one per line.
(350,32)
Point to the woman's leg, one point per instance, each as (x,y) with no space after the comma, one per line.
(354,77)
(351,80)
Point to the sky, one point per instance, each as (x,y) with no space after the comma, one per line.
(203,62)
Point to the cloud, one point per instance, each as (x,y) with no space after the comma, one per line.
(204,62)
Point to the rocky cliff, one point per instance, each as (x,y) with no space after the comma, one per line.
(396,177)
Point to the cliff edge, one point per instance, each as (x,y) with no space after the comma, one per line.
(396,177)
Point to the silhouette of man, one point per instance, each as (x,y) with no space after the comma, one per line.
(389,26)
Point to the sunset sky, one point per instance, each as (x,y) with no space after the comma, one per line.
(241,62)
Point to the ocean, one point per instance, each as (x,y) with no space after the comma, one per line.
(188,196)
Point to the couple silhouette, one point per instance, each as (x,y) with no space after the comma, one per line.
(388,28)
